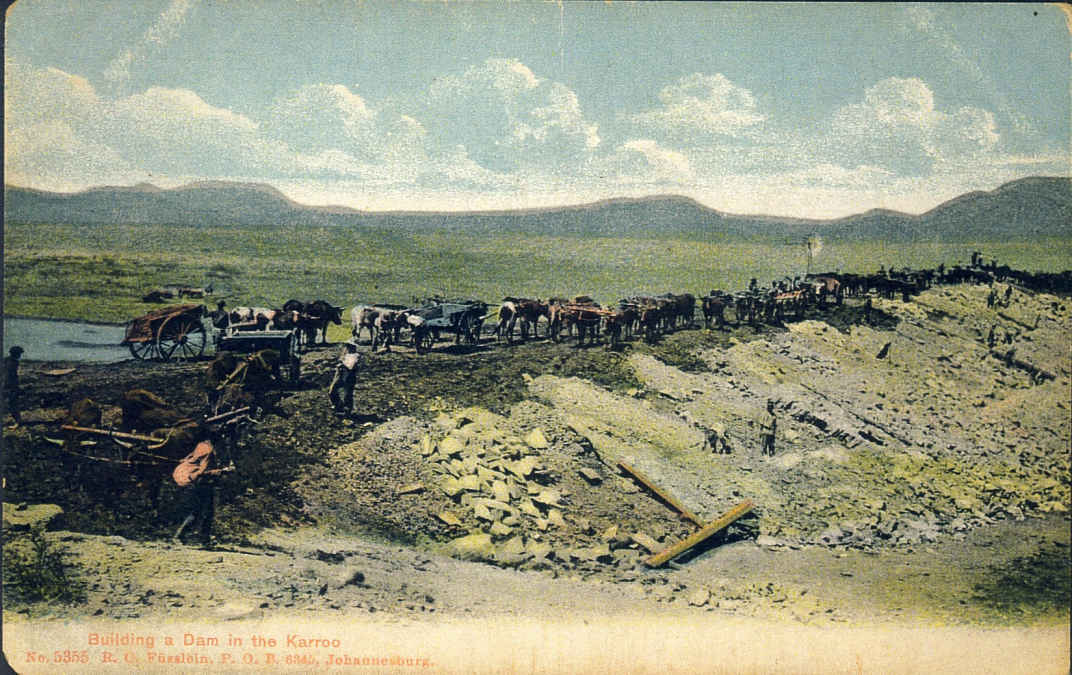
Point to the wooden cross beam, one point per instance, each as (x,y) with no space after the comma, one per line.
(706,532)
(663,495)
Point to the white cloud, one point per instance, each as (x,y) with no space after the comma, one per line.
(499,136)
(51,155)
(508,119)
(162,31)
(32,96)
(701,104)
(329,118)
(927,23)
(644,161)
(897,126)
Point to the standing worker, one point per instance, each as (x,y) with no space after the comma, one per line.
(198,487)
(11,384)
(341,391)
(770,426)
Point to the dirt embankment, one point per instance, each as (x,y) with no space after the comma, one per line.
(904,444)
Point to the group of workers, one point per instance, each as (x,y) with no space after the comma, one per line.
(195,474)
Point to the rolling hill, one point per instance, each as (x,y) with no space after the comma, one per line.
(1026,209)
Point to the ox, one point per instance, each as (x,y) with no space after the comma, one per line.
(313,319)
(368,317)
(527,311)
(262,318)
(582,313)
(618,322)
(714,307)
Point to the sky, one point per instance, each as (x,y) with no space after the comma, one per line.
(797,109)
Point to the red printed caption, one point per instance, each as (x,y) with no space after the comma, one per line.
(292,649)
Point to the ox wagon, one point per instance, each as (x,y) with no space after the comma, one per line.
(283,341)
(463,318)
(176,331)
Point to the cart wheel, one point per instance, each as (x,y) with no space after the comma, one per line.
(143,351)
(181,337)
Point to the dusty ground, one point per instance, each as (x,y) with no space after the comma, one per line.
(926,485)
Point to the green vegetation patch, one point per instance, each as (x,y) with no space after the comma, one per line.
(101,272)
(36,570)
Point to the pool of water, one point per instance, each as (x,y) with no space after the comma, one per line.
(46,340)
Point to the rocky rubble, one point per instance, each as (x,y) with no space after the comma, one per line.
(492,488)
(887,437)
(893,437)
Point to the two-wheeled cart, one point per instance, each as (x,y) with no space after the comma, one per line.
(173,332)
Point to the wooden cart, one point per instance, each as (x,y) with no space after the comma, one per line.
(173,332)
(463,318)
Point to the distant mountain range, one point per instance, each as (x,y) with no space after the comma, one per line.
(1030,208)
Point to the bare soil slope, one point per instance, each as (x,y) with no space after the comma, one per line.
(920,473)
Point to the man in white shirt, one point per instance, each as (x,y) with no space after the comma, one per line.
(341,392)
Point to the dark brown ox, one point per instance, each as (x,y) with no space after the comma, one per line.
(714,307)
(83,413)
(618,324)
(313,319)
(582,313)
(525,311)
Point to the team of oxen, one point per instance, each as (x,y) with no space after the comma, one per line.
(308,320)
(153,434)
(640,315)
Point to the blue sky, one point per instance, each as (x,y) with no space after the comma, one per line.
(795,109)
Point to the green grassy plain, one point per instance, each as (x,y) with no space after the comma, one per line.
(99,273)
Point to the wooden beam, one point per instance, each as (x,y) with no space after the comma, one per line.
(113,434)
(675,504)
(705,533)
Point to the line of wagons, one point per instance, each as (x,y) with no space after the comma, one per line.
(181,332)
(465,319)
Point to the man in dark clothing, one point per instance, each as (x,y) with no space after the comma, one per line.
(770,426)
(220,317)
(11,384)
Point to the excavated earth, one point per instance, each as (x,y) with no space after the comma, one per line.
(920,474)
